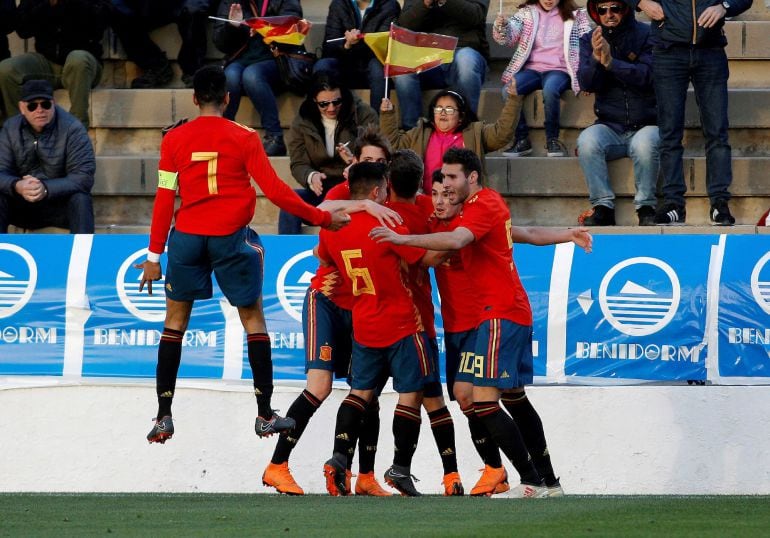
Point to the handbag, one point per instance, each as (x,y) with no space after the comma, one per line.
(295,66)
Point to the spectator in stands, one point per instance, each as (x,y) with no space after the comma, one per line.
(351,58)
(68,43)
(450,122)
(616,65)
(135,19)
(690,48)
(250,67)
(545,37)
(47,166)
(7,25)
(327,122)
(464,19)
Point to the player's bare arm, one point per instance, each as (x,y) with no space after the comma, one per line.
(150,272)
(340,219)
(385,215)
(454,240)
(550,236)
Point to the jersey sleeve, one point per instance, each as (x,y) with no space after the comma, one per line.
(477,217)
(163,208)
(278,192)
(410,255)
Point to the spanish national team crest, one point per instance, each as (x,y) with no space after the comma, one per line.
(326,353)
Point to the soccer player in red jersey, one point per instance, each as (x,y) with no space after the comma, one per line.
(406,176)
(388,334)
(458,312)
(502,357)
(209,161)
(370,146)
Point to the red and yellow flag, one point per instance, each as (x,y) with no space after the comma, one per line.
(404,52)
(289,29)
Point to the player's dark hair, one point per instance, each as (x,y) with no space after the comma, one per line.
(467,116)
(370,135)
(437,176)
(363,177)
(406,169)
(465,157)
(210,85)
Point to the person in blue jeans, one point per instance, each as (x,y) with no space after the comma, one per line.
(690,48)
(616,65)
(544,35)
(464,19)
(349,57)
(251,67)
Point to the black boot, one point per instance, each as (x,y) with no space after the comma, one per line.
(602,216)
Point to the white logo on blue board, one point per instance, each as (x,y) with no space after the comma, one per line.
(142,305)
(293,281)
(18,278)
(634,308)
(760,283)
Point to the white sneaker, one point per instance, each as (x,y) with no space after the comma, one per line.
(555,491)
(524,491)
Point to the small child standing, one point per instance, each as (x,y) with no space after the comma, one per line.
(545,37)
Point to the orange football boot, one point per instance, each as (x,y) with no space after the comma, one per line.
(453,486)
(492,480)
(278,476)
(366,484)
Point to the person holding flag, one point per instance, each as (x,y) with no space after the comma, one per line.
(344,49)
(250,66)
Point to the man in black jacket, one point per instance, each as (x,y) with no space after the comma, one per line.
(68,44)
(689,46)
(350,57)
(616,65)
(7,25)
(47,166)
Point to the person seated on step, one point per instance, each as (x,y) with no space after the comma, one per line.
(250,66)
(135,19)
(68,50)
(344,50)
(47,166)
(616,65)
(544,37)
(450,122)
(328,119)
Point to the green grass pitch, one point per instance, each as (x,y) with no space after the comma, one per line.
(319,516)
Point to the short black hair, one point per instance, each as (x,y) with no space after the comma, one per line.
(465,157)
(437,176)
(370,135)
(210,85)
(363,177)
(406,170)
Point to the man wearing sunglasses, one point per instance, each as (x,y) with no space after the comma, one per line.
(616,66)
(47,166)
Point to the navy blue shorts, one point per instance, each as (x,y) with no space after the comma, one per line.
(237,260)
(457,345)
(407,361)
(502,356)
(328,331)
(433,388)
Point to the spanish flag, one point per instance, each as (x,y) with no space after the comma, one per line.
(289,29)
(404,52)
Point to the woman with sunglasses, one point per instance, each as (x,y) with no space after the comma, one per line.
(327,122)
(450,122)
(545,37)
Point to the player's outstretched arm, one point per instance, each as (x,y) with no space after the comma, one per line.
(550,236)
(385,215)
(454,240)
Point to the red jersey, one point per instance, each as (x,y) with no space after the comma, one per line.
(330,282)
(383,309)
(456,288)
(498,292)
(210,160)
(416,218)
(341,191)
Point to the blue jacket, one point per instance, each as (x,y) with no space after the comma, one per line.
(625,99)
(680,26)
(61,156)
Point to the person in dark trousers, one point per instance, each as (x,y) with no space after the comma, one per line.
(689,47)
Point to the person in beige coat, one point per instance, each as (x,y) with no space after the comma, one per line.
(450,122)
(327,123)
